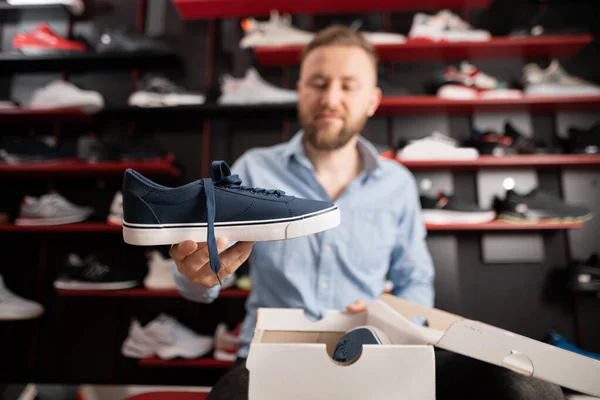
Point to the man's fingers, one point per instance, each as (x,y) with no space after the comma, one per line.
(357,306)
(234,257)
(199,258)
(182,250)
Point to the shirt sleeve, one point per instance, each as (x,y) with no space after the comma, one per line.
(191,290)
(411,269)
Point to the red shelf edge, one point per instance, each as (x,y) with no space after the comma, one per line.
(533,161)
(145,293)
(551,45)
(204,362)
(504,226)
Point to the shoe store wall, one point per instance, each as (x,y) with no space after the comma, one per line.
(511,279)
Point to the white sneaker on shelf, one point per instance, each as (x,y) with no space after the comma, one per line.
(555,81)
(177,340)
(437,146)
(138,344)
(59,94)
(227,343)
(160,272)
(158,91)
(472,83)
(445,26)
(277,31)
(13,307)
(115,217)
(50,209)
(253,89)
(384,37)
(75,7)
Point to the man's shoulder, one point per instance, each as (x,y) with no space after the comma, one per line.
(262,153)
(395,171)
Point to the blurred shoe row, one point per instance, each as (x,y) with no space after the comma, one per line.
(167,338)
(534,206)
(45,40)
(467,82)
(445,26)
(16,150)
(441,147)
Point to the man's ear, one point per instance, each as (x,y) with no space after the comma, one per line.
(375,101)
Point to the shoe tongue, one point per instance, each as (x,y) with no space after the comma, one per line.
(220,170)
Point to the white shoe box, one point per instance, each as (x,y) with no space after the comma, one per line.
(290,356)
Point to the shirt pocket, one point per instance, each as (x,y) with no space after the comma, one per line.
(370,237)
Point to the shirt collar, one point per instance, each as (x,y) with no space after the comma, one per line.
(368,152)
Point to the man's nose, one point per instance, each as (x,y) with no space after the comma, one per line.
(331,97)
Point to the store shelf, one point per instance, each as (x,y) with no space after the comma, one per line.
(77,168)
(551,46)
(538,161)
(204,362)
(402,105)
(86,61)
(145,293)
(505,226)
(210,9)
(99,227)
(30,115)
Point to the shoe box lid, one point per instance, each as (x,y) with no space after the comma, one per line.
(288,347)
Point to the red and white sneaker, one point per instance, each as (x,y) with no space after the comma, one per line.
(44,40)
(469,82)
(227,343)
(445,27)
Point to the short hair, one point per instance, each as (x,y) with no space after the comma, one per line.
(341,36)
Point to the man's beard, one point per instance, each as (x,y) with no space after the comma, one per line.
(321,139)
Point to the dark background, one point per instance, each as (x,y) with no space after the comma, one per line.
(513,281)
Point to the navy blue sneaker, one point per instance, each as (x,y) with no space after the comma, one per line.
(156,215)
(350,345)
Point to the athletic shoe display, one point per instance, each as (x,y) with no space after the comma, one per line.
(59,94)
(277,31)
(253,89)
(115,217)
(584,276)
(445,26)
(227,342)
(43,40)
(166,338)
(160,272)
(351,344)
(555,81)
(32,149)
(94,272)
(14,307)
(539,206)
(205,209)
(469,82)
(445,209)
(157,91)
(50,209)
(436,146)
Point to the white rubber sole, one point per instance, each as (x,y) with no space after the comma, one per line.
(74,285)
(457,217)
(251,231)
(15,315)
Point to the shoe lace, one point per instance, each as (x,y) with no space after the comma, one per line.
(223,178)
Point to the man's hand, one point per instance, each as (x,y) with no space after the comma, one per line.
(192,260)
(357,306)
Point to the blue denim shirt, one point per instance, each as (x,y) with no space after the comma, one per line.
(381,236)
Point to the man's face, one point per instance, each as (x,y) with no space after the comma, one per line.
(336,94)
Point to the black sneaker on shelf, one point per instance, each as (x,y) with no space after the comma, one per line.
(584,141)
(91,149)
(509,142)
(158,91)
(125,39)
(539,206)
(444,209)
(30,149)
(95,272)
(584,276)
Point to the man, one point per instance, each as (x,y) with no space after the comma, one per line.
(381,234)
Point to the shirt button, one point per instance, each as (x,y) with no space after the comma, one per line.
(324,285)
(327,249)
